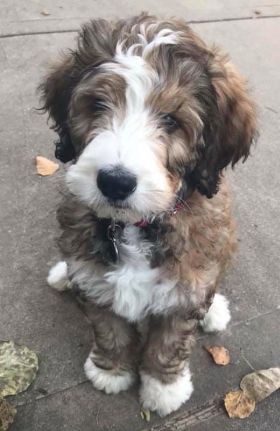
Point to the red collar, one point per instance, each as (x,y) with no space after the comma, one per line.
(145,222)
(113,231)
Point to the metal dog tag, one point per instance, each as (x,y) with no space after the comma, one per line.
(113,234)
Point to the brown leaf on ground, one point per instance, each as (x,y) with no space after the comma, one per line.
(239,405)
(45,166)
(7,414)
(219,354)
(255,387)
(261,384)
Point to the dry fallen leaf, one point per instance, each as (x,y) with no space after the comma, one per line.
(45,12)
(255,387)
(45,166)
(261,384)
(220,354)
(145,415)
(18,368)
(7,414)
(239,405)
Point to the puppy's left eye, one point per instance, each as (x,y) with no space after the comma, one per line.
(169,122)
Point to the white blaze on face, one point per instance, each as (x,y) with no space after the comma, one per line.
(133,140)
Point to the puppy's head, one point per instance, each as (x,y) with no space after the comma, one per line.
(147,111)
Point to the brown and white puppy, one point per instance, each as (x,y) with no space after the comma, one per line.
(151,116)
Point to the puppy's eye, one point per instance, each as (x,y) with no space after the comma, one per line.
(96,105)
(169,122)
(99,105)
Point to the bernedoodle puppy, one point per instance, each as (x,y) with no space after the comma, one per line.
(150,116)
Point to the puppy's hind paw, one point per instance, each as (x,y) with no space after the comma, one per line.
(165,398)
(58,277)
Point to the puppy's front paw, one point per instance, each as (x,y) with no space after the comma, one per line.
(107,380)
(165,398)
(58,277)
(218,315)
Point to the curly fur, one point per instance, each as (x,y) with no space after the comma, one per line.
(149,95)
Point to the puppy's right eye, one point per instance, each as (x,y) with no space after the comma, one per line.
(99,105)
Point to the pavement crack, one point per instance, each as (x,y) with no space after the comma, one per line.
(35,33)
(49,394)
(242,18)
(237,323)
(198,21)
(271,109)
(257,316)
(247,361)
(195,416)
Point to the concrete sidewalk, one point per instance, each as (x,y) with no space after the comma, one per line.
(52,324)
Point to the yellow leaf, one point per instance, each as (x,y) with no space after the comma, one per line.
(18,368)
(145,415)
(261,384)
(239,405)
(45,166)
(220,354)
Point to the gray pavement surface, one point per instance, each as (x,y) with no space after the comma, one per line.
(52,324)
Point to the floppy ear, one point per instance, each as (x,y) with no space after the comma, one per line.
(230,127)
(94,46)
(56,92)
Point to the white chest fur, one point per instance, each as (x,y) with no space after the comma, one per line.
(138,289)
(133,288)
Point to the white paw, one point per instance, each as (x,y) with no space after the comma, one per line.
(106,380)
(165,398)
(217,316)
(58,278)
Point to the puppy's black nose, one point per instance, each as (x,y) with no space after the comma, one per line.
(116,184)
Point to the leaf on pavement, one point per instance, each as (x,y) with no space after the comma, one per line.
(255,387)
(45,166)
(7,414)
(239,405)
(220,354)
(145,415)
(18,368)
(261,384)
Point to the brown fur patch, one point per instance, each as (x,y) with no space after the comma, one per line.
(85,118)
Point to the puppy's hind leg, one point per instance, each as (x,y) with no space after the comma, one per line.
(58,276)
(218,315)
(165,375)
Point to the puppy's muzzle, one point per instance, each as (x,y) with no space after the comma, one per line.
(116,183)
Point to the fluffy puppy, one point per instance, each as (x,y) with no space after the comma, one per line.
(150,116)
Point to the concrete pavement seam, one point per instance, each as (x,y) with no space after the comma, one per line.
(195,416)
(74,30)
(50,394)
